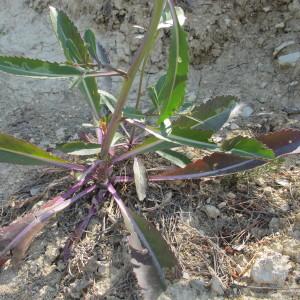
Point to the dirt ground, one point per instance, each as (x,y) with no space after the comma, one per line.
(232,47)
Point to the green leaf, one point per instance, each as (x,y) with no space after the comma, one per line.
(154,91)
(90,40)
(17,151)
(211,115)
(79,148)
(88,87)
(172,93)
(175,157)
(36,68)
(244,146)
(69,37)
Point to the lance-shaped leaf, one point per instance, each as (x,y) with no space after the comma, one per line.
(17,237)
(174,157)
(69,37)
(211,115)
(171,95)
(79,148)
(89,88)
(17,151)
(90,40)
(283,142)
(153,261)
(140,178)
(28,67)
(245,146)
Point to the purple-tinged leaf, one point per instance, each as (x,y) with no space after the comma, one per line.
(17,237)
(152,259)
(283,143)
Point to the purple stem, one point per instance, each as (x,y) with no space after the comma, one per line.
(44,216)
(99,135)
(82,225)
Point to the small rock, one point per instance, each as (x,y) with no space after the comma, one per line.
(267,9)
(289,60)
(234,126)
(35,190)
(282,182)
(217,286)
(291,248)
(231,195)
(280,25)
(168,197)
(247,111)
(212,211)
(274,225)
(271,268)
(222,205)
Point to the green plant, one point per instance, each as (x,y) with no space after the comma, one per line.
(117,138)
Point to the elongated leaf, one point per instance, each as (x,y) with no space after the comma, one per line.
(247,147)
(140,178)
(174,157)
(171,95)
(36,68)
(283,142)
(211,115)
(90,40)
(69,37)
(89,88)
(79,148)
(17,151)
(152,259)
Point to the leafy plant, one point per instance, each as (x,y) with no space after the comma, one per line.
(166,125)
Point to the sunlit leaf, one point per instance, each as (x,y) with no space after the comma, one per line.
(175,157)
(283,142)
(79,148)
(211,115)
(17,151)
(166,20)
(171,95)
(69,37)
(36,68)
(247,147)
(140,178)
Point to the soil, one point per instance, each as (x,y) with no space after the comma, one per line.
(231,52)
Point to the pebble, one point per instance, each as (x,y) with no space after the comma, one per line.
(234,126)
(271,268)
(282,182)
(217,286)
(289,60)
(212,211)
(274,225)
(280,25)
(35,190)
(247,111)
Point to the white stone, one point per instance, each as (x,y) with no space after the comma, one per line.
(247,111)
(271,268)
(212,211)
